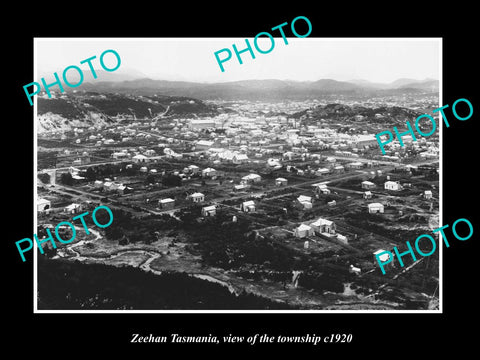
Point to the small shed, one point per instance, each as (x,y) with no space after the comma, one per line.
(209,210)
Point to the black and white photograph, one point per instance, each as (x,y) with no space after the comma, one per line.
(230,180)
(261,187)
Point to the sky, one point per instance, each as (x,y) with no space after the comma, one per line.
(303,59)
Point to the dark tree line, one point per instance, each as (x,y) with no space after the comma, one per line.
(65,285)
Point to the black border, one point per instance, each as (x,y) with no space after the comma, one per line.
(376,334)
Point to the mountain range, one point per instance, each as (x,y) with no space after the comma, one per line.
(269,89)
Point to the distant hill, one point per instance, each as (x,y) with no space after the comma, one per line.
(269,89)
(404,83)
(339,112)
(95,109)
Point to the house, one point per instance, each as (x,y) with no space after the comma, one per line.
(140,159)
(72,208)
(281,182)
(166,203)
(427,194)
(305,201)
(248,206)
(120,155)
(209,172)
(251,178)
(367,195)
(197,197)
(209,210)
(321,188)
(241,187)
(393,185)
(323,226)
(43,205)
(339,169)
(110,186)
(98,184)
(332,203)
(368,185)
(240,158)
(123,189)
(322,171)
(303,231)
(355,165)
(203,144)
(374,208)
(194,169)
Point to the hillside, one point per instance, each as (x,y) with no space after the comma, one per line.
(95,109)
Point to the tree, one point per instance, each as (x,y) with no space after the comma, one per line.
(44,178)
(91,174)
(66,179)
(171,180)
(150,179)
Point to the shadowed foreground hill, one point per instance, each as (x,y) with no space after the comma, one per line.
(65,285)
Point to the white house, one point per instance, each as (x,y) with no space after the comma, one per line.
(374,208)
(305,201)
(197,197)
(209,210)
(393,185)
(248,206)
(239,158)
(140,158)
(321,188)
(303,231)
(367,195)
(427,194)
(251,178)
(193,169)
(166,203)
(209,172)
(322,171)
(72,208)
(203,144)
(368,185)
(281,181)
(323,226)
(241,187)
